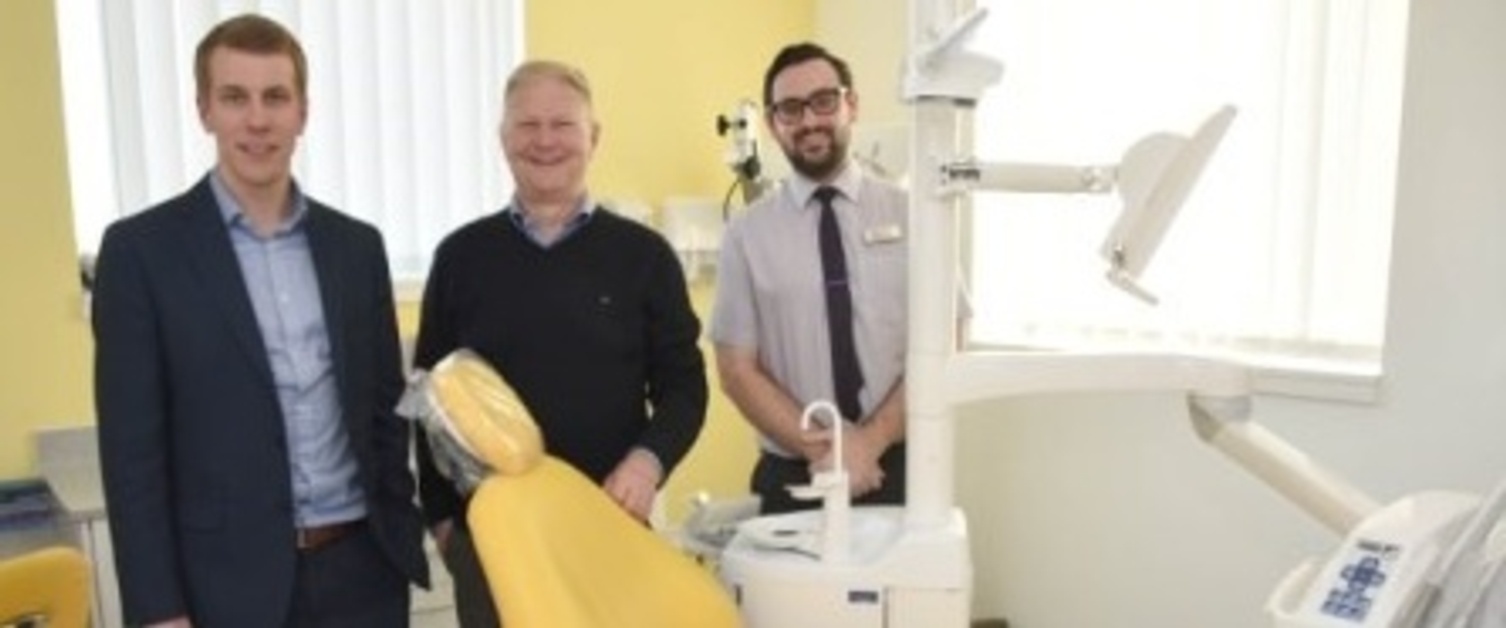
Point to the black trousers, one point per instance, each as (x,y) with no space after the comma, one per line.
(773,474)
(474,606)
(349,582)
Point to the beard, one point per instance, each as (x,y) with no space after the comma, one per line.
(822,167)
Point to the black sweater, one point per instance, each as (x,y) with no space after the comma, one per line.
(596,335)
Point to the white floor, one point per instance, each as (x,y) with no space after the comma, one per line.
(434,608)
(437,618)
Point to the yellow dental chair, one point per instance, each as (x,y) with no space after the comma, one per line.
(557,551)
(51,585)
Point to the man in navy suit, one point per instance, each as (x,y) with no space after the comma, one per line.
(246,371)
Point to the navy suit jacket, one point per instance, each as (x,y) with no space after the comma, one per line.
(192,444)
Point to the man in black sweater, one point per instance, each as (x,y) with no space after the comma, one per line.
(584,313)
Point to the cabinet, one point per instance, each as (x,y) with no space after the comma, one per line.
(93,535)
(68,459)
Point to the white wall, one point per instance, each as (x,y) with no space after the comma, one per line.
(870,35)
(1096,511)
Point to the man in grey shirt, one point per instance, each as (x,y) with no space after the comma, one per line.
(776,286)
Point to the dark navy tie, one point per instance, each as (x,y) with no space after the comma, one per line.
(847,376)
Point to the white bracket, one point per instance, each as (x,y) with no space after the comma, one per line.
(944,70)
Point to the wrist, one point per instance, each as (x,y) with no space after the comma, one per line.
(874,435)
(649,464)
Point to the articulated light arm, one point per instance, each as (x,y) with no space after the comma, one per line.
(961,176)
(1153,179)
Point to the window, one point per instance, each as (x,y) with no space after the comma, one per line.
(404,99)
(1280,255)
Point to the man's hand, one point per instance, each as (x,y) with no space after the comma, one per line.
(815,445)
(861,449)
(441,532)
(635,482)
(176,622)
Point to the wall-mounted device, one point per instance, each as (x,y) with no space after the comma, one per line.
(740,128)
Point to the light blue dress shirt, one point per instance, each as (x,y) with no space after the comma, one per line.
(279,273)
(518,214)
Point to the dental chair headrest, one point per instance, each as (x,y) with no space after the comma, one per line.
(483,415)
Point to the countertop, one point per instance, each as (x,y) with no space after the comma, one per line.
(68,459)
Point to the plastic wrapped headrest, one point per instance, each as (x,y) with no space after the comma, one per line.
(483,414)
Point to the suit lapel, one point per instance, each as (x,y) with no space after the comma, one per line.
(212,255)
(327,250)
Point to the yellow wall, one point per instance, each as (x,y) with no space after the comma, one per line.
(44,377)
(662,70)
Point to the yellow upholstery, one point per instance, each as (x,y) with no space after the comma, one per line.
(52,583)
(558,553)
(484,414)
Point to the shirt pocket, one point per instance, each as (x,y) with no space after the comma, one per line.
(882,287)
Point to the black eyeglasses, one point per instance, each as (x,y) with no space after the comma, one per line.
(822,102)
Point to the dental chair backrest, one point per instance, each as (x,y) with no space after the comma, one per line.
(49,585)
(557,551)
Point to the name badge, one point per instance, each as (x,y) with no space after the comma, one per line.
(883,233)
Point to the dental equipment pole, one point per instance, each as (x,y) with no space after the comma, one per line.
(929,432)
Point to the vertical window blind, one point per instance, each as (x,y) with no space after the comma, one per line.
(1279,257)
(404,102)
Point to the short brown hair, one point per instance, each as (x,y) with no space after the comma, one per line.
(250,33)
(796,54)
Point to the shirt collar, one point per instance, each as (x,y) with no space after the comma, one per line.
(849,182)
(583,210)
(233,215)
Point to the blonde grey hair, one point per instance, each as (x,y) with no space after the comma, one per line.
(540,69)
